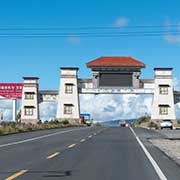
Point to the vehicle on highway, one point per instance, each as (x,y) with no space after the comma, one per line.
(89,122)
(167,123)
(86,119)
(122,123)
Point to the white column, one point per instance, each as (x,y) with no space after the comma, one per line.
(14,109)
(30,100)
(163,100)
(68,95)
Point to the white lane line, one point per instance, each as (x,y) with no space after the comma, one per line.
(39,137)
(153,162)
(90,136)
(82,140)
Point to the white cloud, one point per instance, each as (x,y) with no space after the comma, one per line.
(179,26)
(73,40)
(48,110)
(121,22)
(6,109)
(176,83)
(101,107)
(177,110)
(114,107)
(105,107)
(171,38)
(109,107)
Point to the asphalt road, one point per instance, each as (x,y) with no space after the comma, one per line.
(81,153)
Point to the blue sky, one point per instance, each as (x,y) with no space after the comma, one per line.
(42,57)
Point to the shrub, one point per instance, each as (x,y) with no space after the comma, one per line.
(152,125)
(18,116)
(46,122)
(98,124)
(55,121)
(11,127)
(141,120)
(65,122)
(29,128)
(178,121)
(21,130)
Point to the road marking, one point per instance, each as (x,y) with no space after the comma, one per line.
(39,137)
(72,145)
(82,140)
(153,162)
(53,155)
(90,136)
(17,174)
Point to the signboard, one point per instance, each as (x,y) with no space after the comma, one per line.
(11,90)
(85,116)
(86,119)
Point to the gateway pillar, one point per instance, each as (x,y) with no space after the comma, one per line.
(68,100)
(14,102)
(163,100)
(30,101)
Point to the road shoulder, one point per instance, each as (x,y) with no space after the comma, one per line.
(169,167)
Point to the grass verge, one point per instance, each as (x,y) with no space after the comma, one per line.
(15,127)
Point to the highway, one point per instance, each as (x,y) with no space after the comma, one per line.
(83,153)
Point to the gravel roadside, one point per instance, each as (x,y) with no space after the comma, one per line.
(169,147)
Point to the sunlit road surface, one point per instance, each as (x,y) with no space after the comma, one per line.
(83,153)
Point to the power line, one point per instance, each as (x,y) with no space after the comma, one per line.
(9,28)
(94,33)
(87,32)
(84,36)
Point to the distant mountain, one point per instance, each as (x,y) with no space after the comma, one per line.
(115,123)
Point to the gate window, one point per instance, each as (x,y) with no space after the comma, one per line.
(68,88)
(163,89)
(68,108)
(163,109)
(28,110)
(29,95)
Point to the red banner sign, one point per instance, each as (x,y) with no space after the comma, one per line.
(11,90)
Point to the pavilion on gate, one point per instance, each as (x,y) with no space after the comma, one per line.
(116,72)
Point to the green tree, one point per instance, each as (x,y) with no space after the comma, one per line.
(18,117)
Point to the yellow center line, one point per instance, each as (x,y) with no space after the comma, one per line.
(72,145)
(53,155)
(82,140)
(17,174)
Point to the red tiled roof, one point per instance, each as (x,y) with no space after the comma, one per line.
(115,61)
